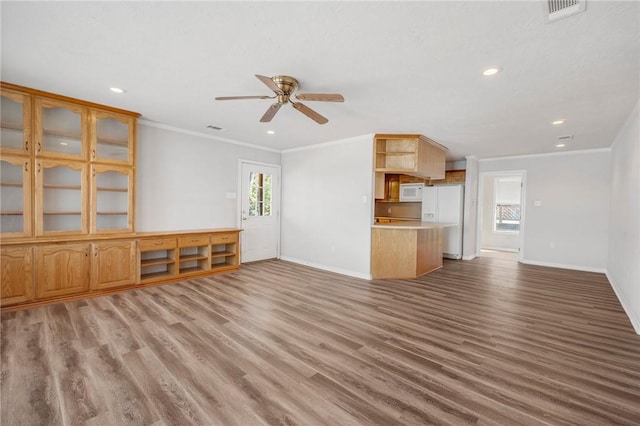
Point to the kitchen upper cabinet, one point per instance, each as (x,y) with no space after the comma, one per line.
(17,275)
(114,264)
(62,269)
(414,155)
(15,196)
(15,130)
(112,138)
(60,129)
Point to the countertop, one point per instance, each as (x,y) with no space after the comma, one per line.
(412,225)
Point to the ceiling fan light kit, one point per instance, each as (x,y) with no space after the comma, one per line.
(284,87)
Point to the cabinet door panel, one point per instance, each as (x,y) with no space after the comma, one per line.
(15,196)
(60,129)
(114,264)
(112,138)
(15,133)
(62,270)
(111,199)
(17,275)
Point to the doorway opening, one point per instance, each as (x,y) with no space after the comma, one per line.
(501,209)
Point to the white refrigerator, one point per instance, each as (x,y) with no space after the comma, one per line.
(444,204)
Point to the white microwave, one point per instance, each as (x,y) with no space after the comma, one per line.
(411,192)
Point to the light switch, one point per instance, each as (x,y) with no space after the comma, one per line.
(537,203)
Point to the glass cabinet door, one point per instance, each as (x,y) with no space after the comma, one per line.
(15,196)
(61,201)
(111,199)
(60,129)
(15,136)
(112,137)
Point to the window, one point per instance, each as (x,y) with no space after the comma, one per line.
(259,194)
(507,204)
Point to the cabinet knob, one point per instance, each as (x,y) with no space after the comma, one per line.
(38,147)
(26,166)
(93,153)
(26,145)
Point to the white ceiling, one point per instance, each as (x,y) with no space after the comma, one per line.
(403,67)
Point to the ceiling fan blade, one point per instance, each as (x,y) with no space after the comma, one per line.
(309,113)
(229,98)
(270,83)
(325,97)
(270,112)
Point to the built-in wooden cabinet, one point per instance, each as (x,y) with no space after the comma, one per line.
(62,270)
(81,158)
(114,264)
(414,155)
(16,265)
(67,191)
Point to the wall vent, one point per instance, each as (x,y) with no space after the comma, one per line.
(559,9)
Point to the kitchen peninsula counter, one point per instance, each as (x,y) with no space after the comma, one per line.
(406,249)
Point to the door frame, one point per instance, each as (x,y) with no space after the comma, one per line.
(523,198)
(276,206)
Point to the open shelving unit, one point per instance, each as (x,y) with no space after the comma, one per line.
(157,259)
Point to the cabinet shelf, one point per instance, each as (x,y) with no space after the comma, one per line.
(192,269)
(190,257)
(222,254)
(58,186)
(152,276)
(396,152)
(157,261)
(113,142)
(18,184)
(112,189)
(62,213)
(12,213)
(111,213)
(8,125)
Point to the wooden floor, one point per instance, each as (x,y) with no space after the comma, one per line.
(478,342)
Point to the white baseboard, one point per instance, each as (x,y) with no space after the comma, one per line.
(635,321)
(469,257)
(327,268)
(564,266)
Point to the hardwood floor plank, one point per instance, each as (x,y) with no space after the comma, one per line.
(482,342)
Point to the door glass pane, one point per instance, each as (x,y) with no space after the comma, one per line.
(62,199)
(507,204)
(113,139)
(12,132)
(259,194)
(112,200)
(11,198)
(62,131)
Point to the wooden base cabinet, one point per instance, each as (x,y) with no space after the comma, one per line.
(17,275)
(62,270)
(114,264)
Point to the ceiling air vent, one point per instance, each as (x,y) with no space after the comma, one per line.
(559,9)
(214,127)
(565,138)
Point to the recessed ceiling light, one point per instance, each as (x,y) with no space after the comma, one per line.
(560,145)
(558,122)
(117,90)
(491,71)
(64,143)
(271,132)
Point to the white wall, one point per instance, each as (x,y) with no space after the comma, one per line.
(326,223)
(182,179)
(491,239)
(570,228)
(623,263)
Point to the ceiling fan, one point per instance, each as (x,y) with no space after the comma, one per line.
(284,87)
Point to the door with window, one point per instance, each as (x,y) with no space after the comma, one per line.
(260,211)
